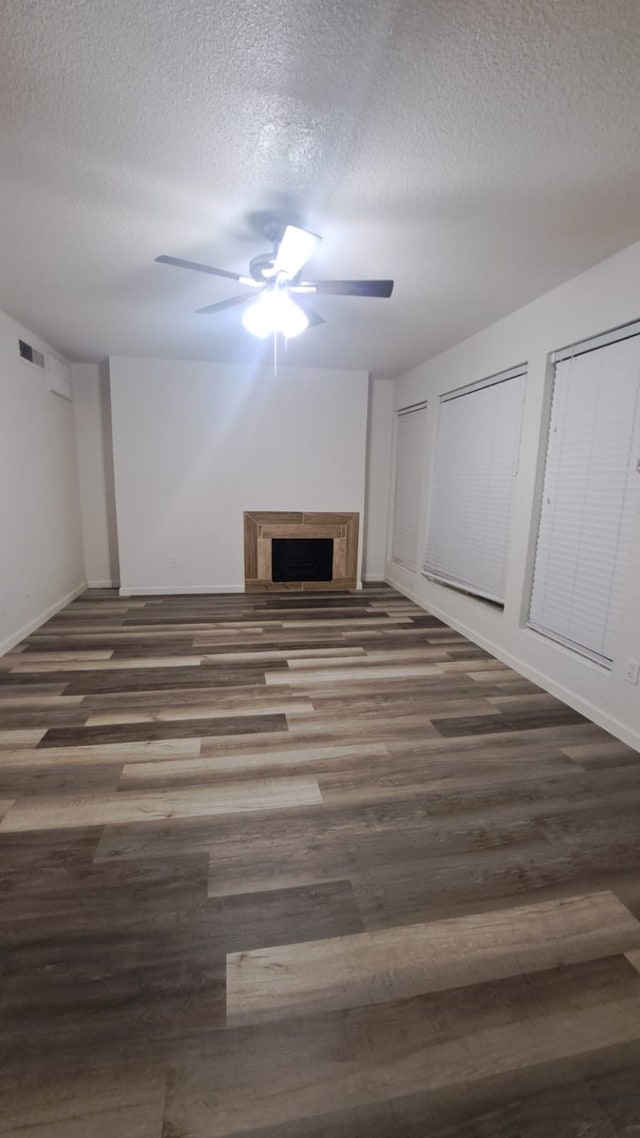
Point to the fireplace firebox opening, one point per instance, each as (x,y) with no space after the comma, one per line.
(302,559)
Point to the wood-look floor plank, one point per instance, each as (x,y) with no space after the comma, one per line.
(197,768)
(404,713)
(37,703)
(201,711)
(362,658)
(94,810)
(103,664)
(270,917)
(99,755)
(373,968)
(28,690)
(165,729)
(524,721)
(348,622)
(259,656)
(477,666)
(72,716)
(156,679)
(343,675)
(74,656)
(52,779)
(490,674)
(14,738)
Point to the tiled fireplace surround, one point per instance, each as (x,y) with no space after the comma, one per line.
(260,527)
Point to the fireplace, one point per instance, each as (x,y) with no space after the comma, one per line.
(297,550)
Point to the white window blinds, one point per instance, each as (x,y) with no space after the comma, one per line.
(406,506)
(590,497)
(475,466)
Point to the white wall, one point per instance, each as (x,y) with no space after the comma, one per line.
(41,553)
(379,442)
(196,444)
(92,407)
(602,298)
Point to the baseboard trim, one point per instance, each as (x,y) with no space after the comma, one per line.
(10,641)
(601,718)
(178,590)
(102,584)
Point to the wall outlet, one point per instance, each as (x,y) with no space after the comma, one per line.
(173,562)
(632,671)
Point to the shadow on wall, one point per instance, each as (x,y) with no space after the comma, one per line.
(109,479)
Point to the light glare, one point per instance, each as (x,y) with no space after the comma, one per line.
(274,311)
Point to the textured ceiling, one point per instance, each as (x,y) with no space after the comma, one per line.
(477,151)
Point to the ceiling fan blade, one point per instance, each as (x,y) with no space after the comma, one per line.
(222,304)
(180,264)
(351,288)
(312,316)
(294,250)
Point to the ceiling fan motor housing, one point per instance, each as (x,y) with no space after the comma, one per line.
(261,267)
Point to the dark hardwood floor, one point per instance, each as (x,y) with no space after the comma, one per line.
(308,866)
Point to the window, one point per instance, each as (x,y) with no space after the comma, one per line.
(590,495)
(475,466)
(406,506)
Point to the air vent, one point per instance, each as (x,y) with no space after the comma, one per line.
(32,355)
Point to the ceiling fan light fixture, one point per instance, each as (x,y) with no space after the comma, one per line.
(274,311)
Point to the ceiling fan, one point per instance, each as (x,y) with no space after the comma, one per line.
(277,278)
